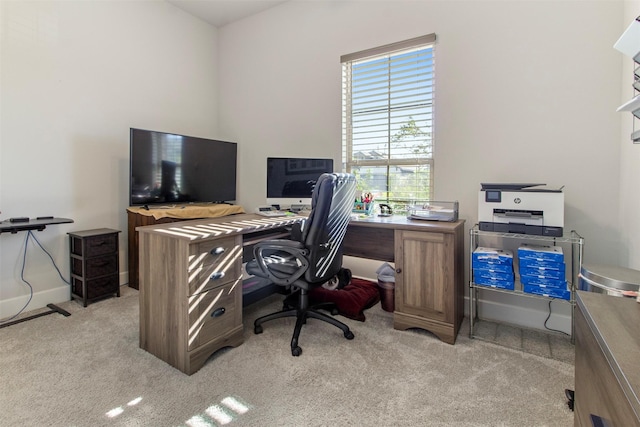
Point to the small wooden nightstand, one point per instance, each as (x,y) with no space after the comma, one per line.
(94,259)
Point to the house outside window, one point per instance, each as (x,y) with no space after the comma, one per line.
(387,120)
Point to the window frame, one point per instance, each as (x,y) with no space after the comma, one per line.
(390,51)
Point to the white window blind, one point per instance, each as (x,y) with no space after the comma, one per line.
(170,150)
(387,131)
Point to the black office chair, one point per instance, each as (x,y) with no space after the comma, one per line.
(311,257)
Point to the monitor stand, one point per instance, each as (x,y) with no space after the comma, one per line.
(298,208)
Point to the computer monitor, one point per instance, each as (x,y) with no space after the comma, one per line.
(290,181)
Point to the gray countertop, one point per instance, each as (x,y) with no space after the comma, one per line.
(615,322)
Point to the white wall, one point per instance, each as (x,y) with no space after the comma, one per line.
(629,159)
(75,76)
(526,91)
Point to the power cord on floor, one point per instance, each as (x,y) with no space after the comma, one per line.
(24,263)
(547,319)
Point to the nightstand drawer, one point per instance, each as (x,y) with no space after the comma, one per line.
(215,313)
(95,267)
(97,287)
(97,245)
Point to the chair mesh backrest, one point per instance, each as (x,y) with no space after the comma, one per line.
(324,230)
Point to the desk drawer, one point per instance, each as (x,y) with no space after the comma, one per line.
(212,252)
(215,313)
(214,263)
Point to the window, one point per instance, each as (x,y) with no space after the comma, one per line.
(387,120)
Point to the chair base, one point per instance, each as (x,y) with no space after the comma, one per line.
(302,312)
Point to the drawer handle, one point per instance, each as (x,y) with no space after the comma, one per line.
(101,264)
(217,275)
(217,251)
(218,312)
(398,270)
(99,243)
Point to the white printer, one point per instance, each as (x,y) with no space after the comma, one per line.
(521,208)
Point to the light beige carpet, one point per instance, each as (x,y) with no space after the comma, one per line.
(549,344)
(87,370)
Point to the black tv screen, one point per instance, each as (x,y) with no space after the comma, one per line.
(167,169)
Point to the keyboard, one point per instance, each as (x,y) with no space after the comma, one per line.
(272,213)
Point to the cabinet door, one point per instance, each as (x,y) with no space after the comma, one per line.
(424,284)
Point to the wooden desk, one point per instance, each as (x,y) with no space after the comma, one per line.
(429,260)
(190,281)
(190,278)
(139,216)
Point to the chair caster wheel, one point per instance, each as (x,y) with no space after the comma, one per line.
(571,396)
(296,351)
(349,335)
(257,329)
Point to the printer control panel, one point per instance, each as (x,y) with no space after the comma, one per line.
(493,196)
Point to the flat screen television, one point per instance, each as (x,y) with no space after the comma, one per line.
(170,169)
(290,181)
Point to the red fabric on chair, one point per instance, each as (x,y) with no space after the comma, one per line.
(352,300)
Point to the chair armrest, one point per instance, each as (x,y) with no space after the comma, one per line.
(296,230)
(281,261)
(278,244)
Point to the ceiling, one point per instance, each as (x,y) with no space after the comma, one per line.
(222,12)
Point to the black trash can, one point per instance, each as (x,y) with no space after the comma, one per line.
(387,286)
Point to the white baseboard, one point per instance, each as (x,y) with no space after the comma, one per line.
(362,267)
(12,306)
